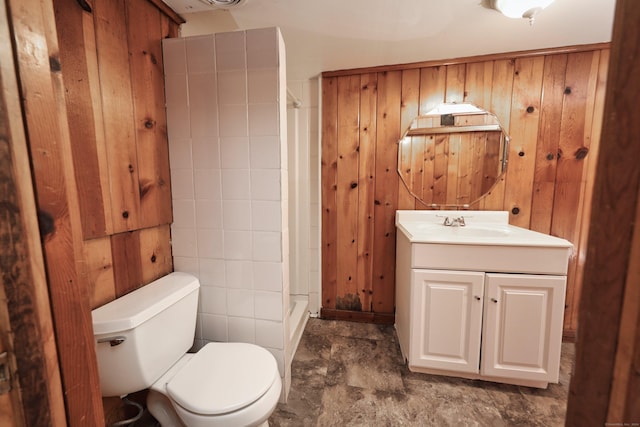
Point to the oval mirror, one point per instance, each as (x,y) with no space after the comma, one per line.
(453,155)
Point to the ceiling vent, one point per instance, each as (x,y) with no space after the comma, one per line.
(224,4)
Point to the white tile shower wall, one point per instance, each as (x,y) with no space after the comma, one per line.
(226,97)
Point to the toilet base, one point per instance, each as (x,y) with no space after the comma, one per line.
(162,410)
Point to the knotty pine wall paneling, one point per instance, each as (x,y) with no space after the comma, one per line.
(550,104)
(118,112)
(386,190)
(605,384)
(150,122)
(93,97)
(366,183)
(115,95)
(43,102)
(27,336)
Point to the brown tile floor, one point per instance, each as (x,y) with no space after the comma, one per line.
(352,374)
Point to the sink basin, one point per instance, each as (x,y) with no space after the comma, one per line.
(466,231)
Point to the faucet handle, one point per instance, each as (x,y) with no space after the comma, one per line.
(461,221)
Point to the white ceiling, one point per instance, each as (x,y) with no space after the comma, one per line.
(341,34)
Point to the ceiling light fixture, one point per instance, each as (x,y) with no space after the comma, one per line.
(521,8)
(224,4)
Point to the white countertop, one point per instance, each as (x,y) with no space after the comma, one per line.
(489,228)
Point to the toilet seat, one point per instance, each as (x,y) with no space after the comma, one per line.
(223,378)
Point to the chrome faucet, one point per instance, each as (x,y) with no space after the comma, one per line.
(454,222)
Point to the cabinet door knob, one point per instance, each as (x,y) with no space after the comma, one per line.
(494,300)
(477,297)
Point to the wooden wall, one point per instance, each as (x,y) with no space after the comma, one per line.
(115,104)
(550,103)
(605,385)
(92,91)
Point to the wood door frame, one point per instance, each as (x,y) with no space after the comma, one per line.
(605,387)
(26,327)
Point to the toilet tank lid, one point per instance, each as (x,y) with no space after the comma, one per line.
(137,307)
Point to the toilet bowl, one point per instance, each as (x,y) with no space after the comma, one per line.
(142,340)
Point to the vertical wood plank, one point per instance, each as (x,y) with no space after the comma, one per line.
(490,154)
(410,94)
(417,167)
(574,141)
(502,90)
(102,287)
(139,257)
(366,185)
(501,94)
(627,360)
(155,253)
(589,179)
(428,168)
(127,265)
(432,88)
(453,157)
(147,82)
(610,269)
(553,87)
(440,165)
(26,327)
(479,77)
(454,91)
(386,192)
(465,173)
(525,111)
(46,119)
(574,146)
(77,56)
(329,165)
(624,397)
(118,112)
(348,297)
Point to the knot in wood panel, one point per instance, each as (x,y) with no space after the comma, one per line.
(144,187)
(46,223)
(54,64)
(152,57)
(84,5)
(581,153)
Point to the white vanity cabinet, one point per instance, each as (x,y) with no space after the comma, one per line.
(455,318)
(495,325)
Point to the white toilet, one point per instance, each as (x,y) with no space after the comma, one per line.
(142,342)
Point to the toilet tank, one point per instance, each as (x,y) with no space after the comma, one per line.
(140,335)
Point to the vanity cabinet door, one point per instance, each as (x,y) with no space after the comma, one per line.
(446,311)
(522,333)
